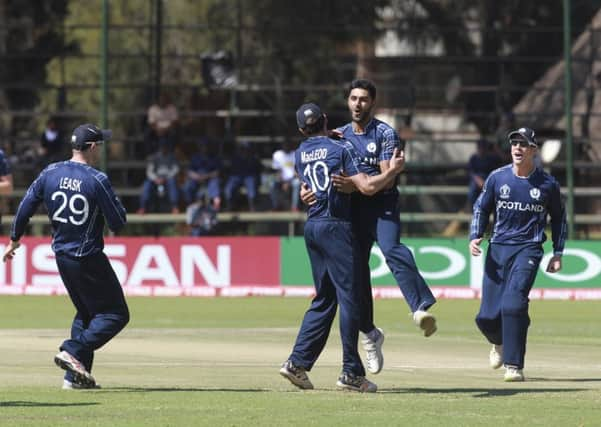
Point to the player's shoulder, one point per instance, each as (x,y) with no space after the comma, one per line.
(53,167)
(503,170)
(345,128)
(501,173)
(382,126)
(384,129)
(92,173)
(98,175)
(341,144)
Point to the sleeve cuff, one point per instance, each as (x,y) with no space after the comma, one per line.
(557,253)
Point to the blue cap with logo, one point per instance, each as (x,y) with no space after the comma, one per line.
(86,134)
(526,134)
(307,115)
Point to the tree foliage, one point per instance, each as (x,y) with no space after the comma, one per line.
(507,37)
(275,42)
(30,36)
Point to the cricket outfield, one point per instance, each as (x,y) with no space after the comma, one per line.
(214,361)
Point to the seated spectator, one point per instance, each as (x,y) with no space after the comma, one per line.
(161,181)
(286,182)
(204,170)
(51,144)
(245,170)
(201,217)
(481,163)
(162,120)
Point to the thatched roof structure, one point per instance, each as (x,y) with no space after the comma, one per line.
(543,105)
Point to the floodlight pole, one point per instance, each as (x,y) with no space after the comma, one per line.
(567,53)
(104,114)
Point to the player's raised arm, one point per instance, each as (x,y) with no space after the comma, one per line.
(370,185)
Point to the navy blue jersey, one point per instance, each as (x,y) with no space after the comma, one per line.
(316,160)
(78,198)
(4,164)
(521,206)
(372,146)
(245,164)
(204,164)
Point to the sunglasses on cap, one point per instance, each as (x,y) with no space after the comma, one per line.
(521,142)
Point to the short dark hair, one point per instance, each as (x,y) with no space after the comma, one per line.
(368,85)
(315,127)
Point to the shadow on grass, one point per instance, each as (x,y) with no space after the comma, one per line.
(177,389)
(480,392)
(23,403)
(565,380)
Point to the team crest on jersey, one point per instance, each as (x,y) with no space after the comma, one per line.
(371,147)
(535,193)
(504,190)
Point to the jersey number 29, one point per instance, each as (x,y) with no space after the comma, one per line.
(74,201)
(311,173)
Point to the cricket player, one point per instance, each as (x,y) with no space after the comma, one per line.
(332,249)
(521,196)
(78,199)
(377,218)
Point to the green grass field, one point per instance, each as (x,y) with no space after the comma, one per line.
(194,361)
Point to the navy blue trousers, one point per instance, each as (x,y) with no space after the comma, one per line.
(509,273)
(98,298)
(333,253)
(377,219)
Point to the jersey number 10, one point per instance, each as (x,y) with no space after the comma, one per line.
(311,174)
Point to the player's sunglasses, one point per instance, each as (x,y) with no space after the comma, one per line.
(520,142)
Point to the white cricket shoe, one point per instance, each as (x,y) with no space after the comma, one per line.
(495,357)
(513,374)
(351,382)
(296,375)
(69,385)
(66,361)
(426,322)
(374,358)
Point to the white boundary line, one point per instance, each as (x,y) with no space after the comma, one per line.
(449,292)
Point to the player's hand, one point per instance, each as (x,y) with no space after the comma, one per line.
(335,134)
(307,196)
(475,247)
(554,264)
(397,162)
(9,252)
(343,183)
